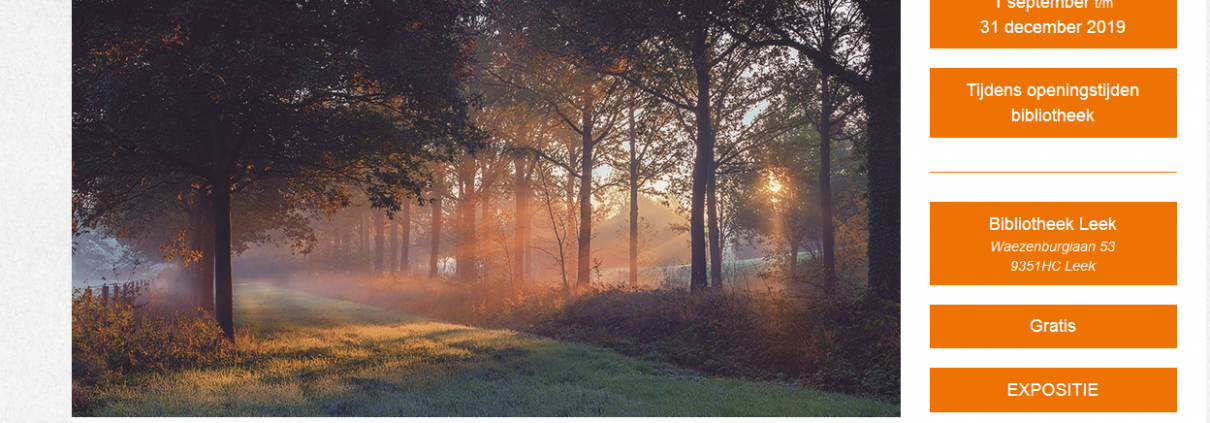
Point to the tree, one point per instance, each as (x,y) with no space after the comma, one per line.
(668,50)
(652,151)
(833,30)
(173,221)
(480,166)
(405,245)
(437,205)
(746,116)
(587,102)
(560,221)
(791,187)
(875,77)
(242,92)
(835,113)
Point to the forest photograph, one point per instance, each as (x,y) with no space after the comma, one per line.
(485,208)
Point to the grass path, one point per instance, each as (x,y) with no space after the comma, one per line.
(323,357)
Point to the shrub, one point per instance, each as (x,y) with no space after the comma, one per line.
(855,345)
(522,309)
(847,346)
(114,339)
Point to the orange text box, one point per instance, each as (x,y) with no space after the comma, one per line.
(997,24)
(1052,326)
(1052,103)
(1052,243)
(1006,390)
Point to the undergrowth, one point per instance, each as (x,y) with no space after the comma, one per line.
(849,346)
(114,338)
(325,357)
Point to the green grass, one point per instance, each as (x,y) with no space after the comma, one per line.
(321,357)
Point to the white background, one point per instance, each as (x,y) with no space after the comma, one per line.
(35,211)
(1186,155)
(35,143)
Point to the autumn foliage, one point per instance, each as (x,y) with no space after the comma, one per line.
(114,338)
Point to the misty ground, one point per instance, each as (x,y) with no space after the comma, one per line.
(323,357)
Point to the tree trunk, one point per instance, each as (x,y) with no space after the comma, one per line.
(363,245)
(464,262)
(377,220)
(528,220)
(825,188)
(459,241)
(435,238)
(338,247)
(202,222)
(883,155)
(223,299)
(487,230)
(584,259)
(521,218)
(196,279)
(634,203)
(701,165)
(464,259)
(572,226)
(392,247)
(792,264)
(405,246)
(716,249)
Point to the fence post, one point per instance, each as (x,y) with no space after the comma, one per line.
(104,294)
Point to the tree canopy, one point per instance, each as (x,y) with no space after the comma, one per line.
(224,94)
(203,128)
